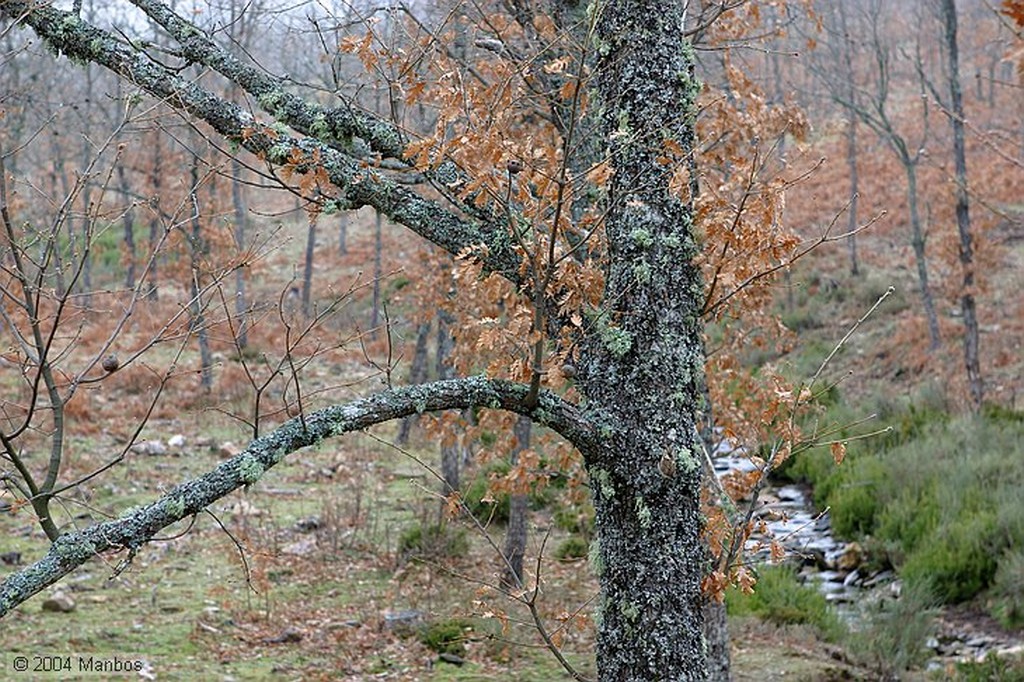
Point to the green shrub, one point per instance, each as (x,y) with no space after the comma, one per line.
(573,547)
(1006,598)
(447,636)
(496,511)
(853,495)
(894,635)
(958,561)
(578,519)
(909,519)
(779,597)
(432,542)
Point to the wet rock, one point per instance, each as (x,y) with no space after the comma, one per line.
(879,578)
(813,557)
(791,493)
(852,579)
(852,557)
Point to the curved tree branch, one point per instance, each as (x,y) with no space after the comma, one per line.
(138,527)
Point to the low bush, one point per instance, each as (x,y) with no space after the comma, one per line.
(1006,599)
(576,518)
(447,636)
(958,561)
(497,511)
(434,541)
(779,597)
(572,548)
(993,668)
(894,633)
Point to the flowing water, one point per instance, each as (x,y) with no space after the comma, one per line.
(837,569)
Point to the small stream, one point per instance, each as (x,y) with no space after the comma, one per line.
(837,569)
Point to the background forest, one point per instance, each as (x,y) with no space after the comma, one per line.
(167,296)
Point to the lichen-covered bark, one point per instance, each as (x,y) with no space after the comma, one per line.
(137,527)
(642,370)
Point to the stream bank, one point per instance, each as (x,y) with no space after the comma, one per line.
(839,571)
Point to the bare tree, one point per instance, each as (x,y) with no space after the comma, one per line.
(871,105)
(955,109)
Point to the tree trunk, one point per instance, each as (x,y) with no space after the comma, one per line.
(846,57)
(449,450)
(417,375)
(128,223)
(515,533)
(377,274)
(851,163)
(917,241)
(963,219)
(155,181)
(238,203)
(307,267)
(641,372)
(196,308)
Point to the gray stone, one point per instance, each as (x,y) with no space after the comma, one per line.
(149,447)
(59,602)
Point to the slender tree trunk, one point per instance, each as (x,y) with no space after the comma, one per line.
(449,451)
(846,57)
(155,181)
(515,533)
(241,218)
(918,242)
(377,274)
(963,219)
(128,222)
(641,375)
(307,267)
(851,163)
(417,375)
(196,306)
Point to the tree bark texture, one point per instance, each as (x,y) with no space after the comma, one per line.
(642,370)
(963,219)
(917,241)
(515,533)
(417,375)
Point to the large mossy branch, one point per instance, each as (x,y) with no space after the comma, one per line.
(136,528)
(359,185)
